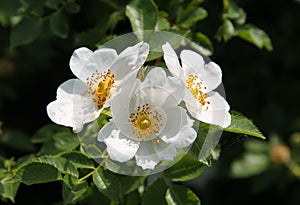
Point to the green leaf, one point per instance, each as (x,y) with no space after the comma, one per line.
(241,124)
(143,15)
(225,31)
(133,198)
(53,4)
(8,8)
(234,12)
(9,188)
(47,132)
(190,16)
(59,24)
(79,159)
(17,140)
(61,142)
(255,36)
(72,7)
(73,190)
(203,149)
(61,164)
(37,173)
(25,32)
(93,197)
(162,24)
(107,183)
(155,193)
(180,195)
(130,183)
(203,41)
(186,169)
(250,164)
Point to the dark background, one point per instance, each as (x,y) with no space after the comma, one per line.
(262,85)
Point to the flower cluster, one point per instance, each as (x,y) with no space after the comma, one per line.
(150,119)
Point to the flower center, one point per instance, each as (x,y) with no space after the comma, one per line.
(100,85)
(198,89)
(146,122)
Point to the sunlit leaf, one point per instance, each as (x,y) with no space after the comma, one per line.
(236,13)
(8,189)
(225,31)
(180,195)
(107,183)
(241,124)
(143,15)
(162,24)
(61,164)
(255,36)
(188,17)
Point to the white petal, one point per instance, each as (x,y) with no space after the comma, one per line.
(74,106)
(119,147)
(145,156)
(105,131)
(217,102)
(212,75)
(186,135)
(61,113)
(100,60)
(120,108)
(192,62)
(190,99)
(162,91)
(171,60)
(221,118)
(164,151)
(173,124)
(70,87)
(78,59)
(130,59)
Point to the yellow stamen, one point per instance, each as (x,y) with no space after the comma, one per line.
(198,89)
(100,85)
(145,122)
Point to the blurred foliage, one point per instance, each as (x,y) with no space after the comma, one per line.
(37,37)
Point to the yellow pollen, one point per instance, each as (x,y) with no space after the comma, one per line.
(198,89)
(100,85)
(145,122)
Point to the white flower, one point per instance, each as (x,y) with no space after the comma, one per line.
(147,122)
(100,74)
(200,80)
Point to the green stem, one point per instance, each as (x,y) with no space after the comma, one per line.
(89,174)
(96,169)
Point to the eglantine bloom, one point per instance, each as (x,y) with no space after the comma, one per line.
(148,124)
(200,80)
(100,74)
